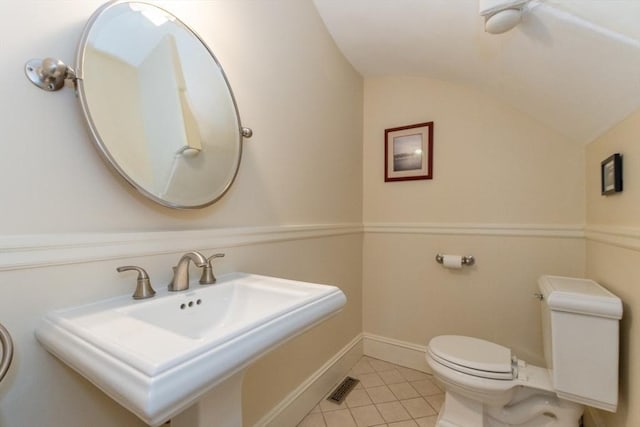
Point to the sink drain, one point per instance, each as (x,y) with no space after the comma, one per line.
(343,389)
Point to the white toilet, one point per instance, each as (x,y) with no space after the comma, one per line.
(488,386)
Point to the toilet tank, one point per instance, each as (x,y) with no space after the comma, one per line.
(580,323)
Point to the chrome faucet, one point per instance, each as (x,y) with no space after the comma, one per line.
(208,277)
(180,281)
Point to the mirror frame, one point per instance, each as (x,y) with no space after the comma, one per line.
(100,144)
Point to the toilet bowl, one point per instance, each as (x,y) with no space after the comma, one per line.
(486,385)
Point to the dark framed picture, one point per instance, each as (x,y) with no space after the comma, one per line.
(611,174)
(408,152)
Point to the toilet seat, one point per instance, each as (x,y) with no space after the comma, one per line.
(473,356)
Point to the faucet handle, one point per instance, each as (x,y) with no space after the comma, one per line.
(207,277)
(143,288)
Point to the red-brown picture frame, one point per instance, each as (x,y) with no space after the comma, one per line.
(408,152)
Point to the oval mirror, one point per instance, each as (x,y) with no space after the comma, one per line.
(158,105)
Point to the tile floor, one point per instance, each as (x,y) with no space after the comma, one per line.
(387,395)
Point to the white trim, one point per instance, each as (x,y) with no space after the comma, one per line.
(29,251)
(575,231)
(624,237)
(41,250)
(395,351)
(293,408)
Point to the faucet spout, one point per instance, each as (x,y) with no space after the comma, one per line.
(180,280)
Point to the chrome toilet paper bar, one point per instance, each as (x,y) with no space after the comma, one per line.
(466,260)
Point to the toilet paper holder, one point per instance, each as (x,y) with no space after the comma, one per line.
(466,260)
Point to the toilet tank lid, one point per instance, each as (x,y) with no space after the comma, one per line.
(582,296)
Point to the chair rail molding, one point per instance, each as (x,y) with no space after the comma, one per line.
(43,250)
(575,231)
(621,236)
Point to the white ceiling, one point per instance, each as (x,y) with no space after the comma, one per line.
(574,65)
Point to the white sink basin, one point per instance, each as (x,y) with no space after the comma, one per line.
(158,356)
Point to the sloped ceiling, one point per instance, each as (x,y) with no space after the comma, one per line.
(573,65)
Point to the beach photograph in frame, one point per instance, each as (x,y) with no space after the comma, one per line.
(408,152)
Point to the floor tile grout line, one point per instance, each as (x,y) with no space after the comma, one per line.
(409,375)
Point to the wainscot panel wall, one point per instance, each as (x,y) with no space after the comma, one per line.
(411,298)
(613,254)
(68,222)
(64,398)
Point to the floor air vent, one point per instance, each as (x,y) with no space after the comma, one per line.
(343,389)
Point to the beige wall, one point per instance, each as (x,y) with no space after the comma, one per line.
(506,189)
(492,164)
(333,260)
(302,168)
(613,252)
(408,297)
(292,85)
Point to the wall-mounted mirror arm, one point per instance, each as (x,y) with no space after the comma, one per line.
(49,73)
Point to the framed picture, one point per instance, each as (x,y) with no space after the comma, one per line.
(408,152)
(611,174)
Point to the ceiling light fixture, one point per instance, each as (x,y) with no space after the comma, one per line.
(501,15)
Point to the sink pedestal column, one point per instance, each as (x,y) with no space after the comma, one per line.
(220,407)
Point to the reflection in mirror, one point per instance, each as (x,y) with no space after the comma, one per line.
(158,105)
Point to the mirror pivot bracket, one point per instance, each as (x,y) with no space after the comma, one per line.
(49,74)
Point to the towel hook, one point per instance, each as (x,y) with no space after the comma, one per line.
(7,351)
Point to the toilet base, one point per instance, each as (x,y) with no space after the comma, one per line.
(459,411)
(530,408)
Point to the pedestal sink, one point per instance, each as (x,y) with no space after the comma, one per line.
(160,357)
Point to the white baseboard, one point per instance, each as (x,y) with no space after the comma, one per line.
(395,351)
(293,408)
